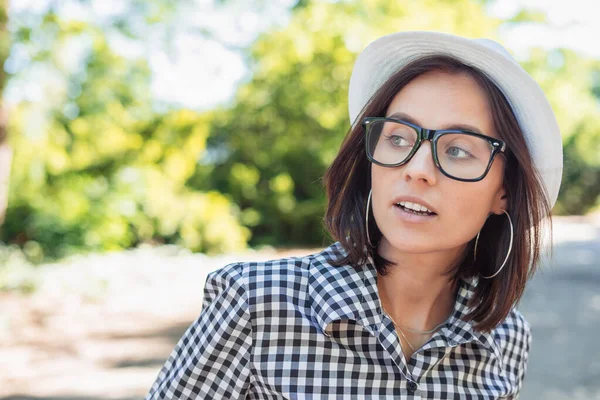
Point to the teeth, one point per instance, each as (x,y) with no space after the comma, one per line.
(415,206)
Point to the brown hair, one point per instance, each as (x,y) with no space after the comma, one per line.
(348,180)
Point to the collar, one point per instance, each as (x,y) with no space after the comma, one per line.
(341,293)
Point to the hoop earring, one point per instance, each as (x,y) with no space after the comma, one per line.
(509,247)
(367,218)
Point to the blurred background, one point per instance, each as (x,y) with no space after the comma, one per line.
(145,143)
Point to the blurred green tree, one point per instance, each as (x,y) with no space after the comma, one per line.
(5,149)
(571,82)
(96,168)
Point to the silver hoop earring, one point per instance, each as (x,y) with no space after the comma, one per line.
(509,247)
(367,214)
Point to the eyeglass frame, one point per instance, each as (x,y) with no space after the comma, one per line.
(433,135)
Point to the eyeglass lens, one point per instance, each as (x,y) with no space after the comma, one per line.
(460,155)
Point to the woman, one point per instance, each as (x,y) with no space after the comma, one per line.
(436,200)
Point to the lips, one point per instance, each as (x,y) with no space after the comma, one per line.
(413,218)
(413,203)
(414,208)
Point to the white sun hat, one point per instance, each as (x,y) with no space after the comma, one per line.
(388,54)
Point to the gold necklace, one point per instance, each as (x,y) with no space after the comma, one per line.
(413,330)
(402,333)
(399,330)
(404,336)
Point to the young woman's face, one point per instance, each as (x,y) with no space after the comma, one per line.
(437,100)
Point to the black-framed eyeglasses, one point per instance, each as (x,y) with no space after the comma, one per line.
(458,154)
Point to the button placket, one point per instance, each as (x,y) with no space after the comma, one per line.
(394,348)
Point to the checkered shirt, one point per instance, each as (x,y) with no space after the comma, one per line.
(300,328)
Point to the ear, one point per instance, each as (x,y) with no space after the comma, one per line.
(500,201)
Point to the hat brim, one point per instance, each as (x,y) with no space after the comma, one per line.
(388,54)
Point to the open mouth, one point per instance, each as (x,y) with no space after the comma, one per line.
(411,211)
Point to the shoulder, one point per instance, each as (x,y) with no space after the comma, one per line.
(261,275)
(289,283)
(514,337)
(277,272)
(515,330)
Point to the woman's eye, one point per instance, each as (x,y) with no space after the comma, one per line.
(399,141)
(457,152)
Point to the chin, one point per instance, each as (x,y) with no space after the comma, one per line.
(415,246)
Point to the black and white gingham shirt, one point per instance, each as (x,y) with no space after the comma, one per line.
(300,328)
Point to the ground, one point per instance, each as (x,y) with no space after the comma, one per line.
(101,326)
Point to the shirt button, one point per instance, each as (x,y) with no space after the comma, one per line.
(412,387)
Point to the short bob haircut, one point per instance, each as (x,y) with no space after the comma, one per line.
(348,181)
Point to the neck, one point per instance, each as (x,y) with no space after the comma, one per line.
(415,292)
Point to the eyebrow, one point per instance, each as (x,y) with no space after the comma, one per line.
(462,127)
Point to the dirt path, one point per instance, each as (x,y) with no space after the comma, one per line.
(102,326)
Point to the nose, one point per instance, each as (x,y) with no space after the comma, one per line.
(421,166)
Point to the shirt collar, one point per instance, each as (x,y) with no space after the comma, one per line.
(339,293)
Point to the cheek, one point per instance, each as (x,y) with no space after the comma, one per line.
(382,183)
(468,210)
(380,178)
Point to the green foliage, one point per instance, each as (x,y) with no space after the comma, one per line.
(580,190)
(106,172)
(4,40)
(529,15)
(570,80)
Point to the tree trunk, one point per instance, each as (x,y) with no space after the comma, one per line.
(5,149)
